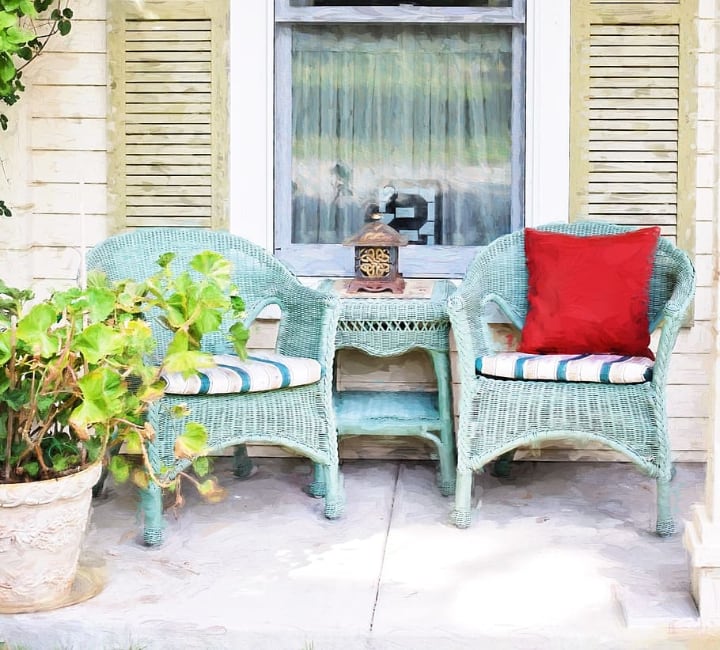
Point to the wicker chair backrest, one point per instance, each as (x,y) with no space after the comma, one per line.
(260,278)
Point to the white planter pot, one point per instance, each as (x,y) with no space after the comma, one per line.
(42,526)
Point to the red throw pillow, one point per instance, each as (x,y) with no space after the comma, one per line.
(588,295)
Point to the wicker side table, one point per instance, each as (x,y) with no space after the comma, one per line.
(383,326)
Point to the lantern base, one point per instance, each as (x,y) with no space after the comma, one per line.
(396,285)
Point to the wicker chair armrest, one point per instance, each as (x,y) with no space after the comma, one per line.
(681,297)
(672,315)
(505,307)
(309,323)
(471,327)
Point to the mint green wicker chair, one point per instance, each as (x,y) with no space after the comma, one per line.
(496,416)
(300,418)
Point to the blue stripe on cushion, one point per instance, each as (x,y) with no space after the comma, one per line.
(284,371)
(563,366)
(244,376)
(204,384)
(520,366)
(607,367)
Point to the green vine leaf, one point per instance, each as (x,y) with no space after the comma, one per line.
(25,27)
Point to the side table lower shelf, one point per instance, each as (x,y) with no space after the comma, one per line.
(401,413)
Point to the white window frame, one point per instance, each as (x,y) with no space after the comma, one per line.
(252,108)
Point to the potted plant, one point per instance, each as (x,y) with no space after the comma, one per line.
(76,383)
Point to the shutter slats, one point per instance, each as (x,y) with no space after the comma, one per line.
(638,137)
(174,177)
(167,67)
(171,99)
(633,116)
(628,157)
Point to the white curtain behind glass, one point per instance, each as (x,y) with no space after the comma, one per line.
(404,105)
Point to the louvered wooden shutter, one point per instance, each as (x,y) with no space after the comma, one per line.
(168,107)
(632,106)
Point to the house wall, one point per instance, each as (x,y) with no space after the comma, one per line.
(55,179)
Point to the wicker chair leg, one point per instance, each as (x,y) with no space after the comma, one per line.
(461,516)
(151,506)
(335,493)
(665,522)
(318,487)
(243,466)
(503,465)
(446,473)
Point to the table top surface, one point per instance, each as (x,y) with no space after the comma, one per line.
(415,289)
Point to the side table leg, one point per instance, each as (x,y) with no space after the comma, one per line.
(446,450)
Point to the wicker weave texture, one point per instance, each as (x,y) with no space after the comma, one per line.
(497,415)
(300,418)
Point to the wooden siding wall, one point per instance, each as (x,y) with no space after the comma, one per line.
(63,115)
(58,182)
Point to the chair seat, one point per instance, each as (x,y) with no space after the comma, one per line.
(596,368)
(254,374)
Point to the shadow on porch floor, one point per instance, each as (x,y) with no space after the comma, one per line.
(559,556)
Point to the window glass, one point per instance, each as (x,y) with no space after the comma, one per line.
(412,121)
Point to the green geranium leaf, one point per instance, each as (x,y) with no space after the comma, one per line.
(133,442)
(176,312)
(192,442)
(187,362)
(165,259)
(179,344)
(208,321)
(98,341)
(102,391)
(201,465)
(34,328)
(211,491)
(5,346)
(120,468)
(179,411)
(238,305)
(212,265)
(101,303)
(96,279)
(239,335)
(32,468)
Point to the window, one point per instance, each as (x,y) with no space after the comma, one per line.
(411,110)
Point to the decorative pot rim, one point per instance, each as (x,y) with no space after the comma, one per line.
(44,491)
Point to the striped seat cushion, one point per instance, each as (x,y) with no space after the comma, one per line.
(256,373)
(598,368)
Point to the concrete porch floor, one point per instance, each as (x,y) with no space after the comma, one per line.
(561,555)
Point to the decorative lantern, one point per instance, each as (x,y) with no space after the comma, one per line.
(376,257)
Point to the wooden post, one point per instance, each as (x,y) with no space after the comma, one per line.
(702,533)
